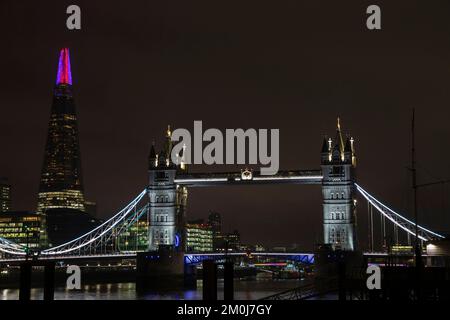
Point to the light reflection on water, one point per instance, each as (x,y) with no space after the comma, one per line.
(243,290)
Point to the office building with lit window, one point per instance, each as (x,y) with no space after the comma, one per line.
(5,195)
(21,227)
(215,220)
(229,242)
(199,237)
(233,240)
(134,238)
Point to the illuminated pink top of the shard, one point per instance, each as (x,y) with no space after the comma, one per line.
(64,75)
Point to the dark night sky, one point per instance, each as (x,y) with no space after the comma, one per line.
(294,65)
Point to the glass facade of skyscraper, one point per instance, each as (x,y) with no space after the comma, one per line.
(21,227)
(61,178)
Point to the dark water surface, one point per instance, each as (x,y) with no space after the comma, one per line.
(244,290)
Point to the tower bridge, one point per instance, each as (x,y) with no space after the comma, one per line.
(169,183)
(164,201)
(167,192)
(163,204)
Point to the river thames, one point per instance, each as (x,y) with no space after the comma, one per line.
(253,289)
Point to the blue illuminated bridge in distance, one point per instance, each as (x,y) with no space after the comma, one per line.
(189,258)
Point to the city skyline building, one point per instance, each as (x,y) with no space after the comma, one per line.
(230,241)
(199,237)
(61,184)
(233,241)
(135,237)
(5,195)
(215,220)
(21,227)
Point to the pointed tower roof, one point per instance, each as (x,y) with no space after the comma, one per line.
(340,140)
(152,154)
(336,148)
(348,145)
(325,145)
(167,149)
(64,75)
(168,146)
(336,153)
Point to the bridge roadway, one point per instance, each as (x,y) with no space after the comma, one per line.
(190,258)
(249,177)
(196,258)
(309,257)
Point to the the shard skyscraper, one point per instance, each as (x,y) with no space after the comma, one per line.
(61,184)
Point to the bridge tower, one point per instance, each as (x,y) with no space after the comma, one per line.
(162,266)
(339,201)
(167,200)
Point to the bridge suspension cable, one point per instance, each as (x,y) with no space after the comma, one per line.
(397,219)
(9,247)
(104,232)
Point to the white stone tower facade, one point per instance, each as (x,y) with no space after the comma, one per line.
(339,202)
(167,200)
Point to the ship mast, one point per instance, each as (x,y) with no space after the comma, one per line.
(417,248)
